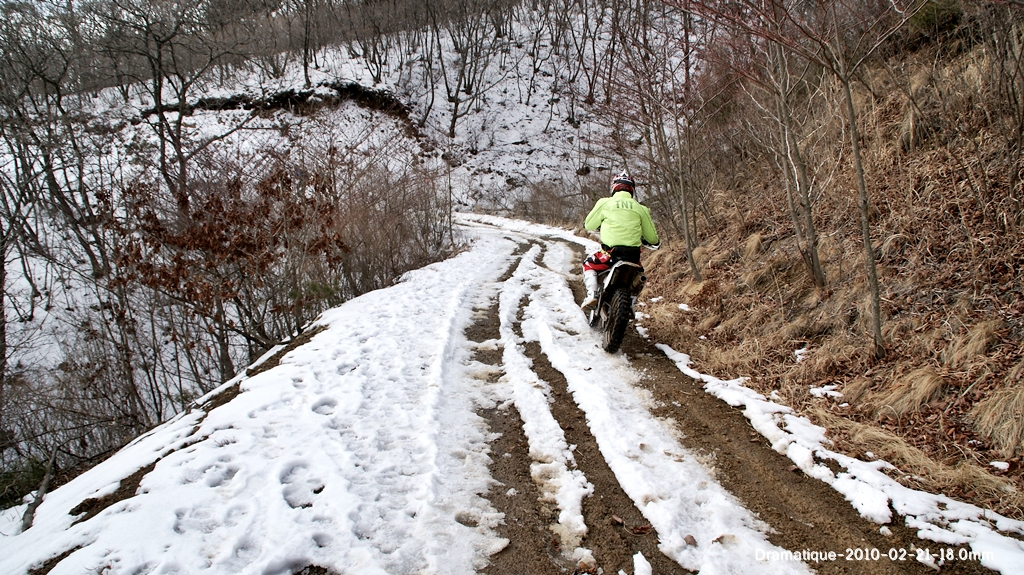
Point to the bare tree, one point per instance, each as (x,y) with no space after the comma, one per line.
(1001,62)
(769,69)
(307,9)
(465,75)
(179,50)
(840,36)
(585,23)
(370,35)
(801,199)
(12,222)
(52,217)
(662,121)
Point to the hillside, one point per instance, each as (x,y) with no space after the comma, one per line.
(946,404)
(467,420)
(168,220)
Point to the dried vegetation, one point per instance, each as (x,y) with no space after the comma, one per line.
(948,398)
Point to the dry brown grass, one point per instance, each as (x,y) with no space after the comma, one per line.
(751,247)
(701,256)
(973,344)
(708,323)
(1000,419)
(918,468)
(794,331)
(833,359)
(908,393)
(948,394)
(748,332)
(741,358)
(1016,373)
(705,296)
(857,389)
(766,277)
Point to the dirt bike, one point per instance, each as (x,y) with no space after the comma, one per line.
(616,299)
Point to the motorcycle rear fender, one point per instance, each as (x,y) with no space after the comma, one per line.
(622,272)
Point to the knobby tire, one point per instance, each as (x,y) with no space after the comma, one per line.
(619,312)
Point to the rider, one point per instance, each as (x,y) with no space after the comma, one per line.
(625,224)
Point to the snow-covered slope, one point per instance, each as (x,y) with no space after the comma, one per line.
(521,127)
(362,452)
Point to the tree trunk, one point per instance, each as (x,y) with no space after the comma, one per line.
(809,249)
(3,328)
(801,207)
(227,367)
(30,511)
(680,166)
(865,223)
(307,26)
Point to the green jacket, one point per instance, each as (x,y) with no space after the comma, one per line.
(623,221)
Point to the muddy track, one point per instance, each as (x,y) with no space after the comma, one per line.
(616,529)
(532,547)
(804,513)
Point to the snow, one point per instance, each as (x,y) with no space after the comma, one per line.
(518,113)
(640,566)
(362,452)
(826,391)
(801,354)
(874,494)
(490,162)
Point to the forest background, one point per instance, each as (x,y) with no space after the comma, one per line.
(183,188)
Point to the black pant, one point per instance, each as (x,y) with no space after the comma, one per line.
(623,253)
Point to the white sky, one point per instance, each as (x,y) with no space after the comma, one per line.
(362,451)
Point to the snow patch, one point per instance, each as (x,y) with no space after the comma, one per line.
(873,493)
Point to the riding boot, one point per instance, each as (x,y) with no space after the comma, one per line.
(590,282)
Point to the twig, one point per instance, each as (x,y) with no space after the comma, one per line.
(898,419)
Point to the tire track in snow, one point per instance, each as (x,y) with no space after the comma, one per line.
(616,529)
(562,485)
(673,490)
(529,471)
(532,547)
(608,529)
(555,431)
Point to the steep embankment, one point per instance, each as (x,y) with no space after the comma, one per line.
(946,403)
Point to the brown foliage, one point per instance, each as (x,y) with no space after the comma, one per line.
(230,239)
(261,256)
(947,234)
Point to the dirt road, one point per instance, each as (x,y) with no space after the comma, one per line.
(804,514)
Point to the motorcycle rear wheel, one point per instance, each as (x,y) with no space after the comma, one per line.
(620,311)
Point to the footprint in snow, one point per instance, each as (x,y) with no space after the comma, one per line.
(325,405)
(300,487)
